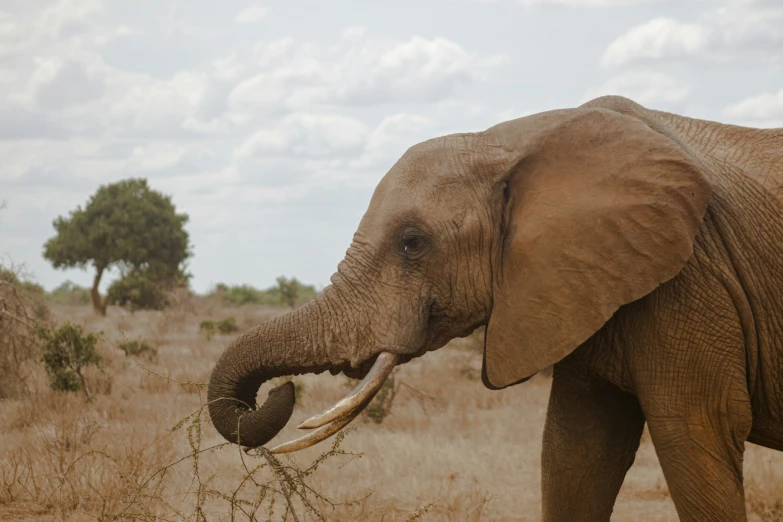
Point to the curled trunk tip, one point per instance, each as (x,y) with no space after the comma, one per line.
(233,412)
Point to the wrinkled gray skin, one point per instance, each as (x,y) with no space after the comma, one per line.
(640,251)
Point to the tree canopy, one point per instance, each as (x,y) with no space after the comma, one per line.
(124,224)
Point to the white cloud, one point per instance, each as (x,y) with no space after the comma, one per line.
(357,71)
(23,158)
(66,16)
(645,87)
(591,3)
(251,15)
(307,135)
(657,39)
(579,3)
(745,31)
(392,137)
(58,84)
(13,38)
(143,104)
(761,108)
(419,69)
(228,68)
(154,157)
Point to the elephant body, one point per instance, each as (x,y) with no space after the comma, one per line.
(638,251)
(700,358)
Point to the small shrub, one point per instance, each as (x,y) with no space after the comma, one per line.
(210,328)
(207,328)
(138,292)
(287,292)
(137,348)
(243,294)
(67,351)
(227,326)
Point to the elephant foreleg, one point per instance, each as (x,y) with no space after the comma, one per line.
(591,435)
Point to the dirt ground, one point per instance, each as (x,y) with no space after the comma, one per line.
(448,449)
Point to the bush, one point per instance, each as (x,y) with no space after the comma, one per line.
(227,326)
(70,293)
(287,292)
(244,294)
(67,351)
(208,328)
(137,291)
(21,307)
(137,347)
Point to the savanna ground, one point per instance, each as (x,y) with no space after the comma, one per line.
(448,449)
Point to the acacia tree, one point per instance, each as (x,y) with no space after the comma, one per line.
(124,224)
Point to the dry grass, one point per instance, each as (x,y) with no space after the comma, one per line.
(448,450)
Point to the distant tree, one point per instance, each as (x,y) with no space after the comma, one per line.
(124,224)
(287,292)
(288,289)
(69,293)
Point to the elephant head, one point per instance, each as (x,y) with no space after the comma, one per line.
(539,227)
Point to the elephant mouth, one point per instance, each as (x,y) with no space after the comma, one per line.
(344,411)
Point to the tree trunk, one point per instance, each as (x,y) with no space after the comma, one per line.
(98,305)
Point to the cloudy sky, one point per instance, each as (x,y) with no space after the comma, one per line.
(271,122)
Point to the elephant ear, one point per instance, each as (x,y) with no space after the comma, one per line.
(599,210)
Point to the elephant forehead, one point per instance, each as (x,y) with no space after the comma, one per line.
(422,193)
(435,161)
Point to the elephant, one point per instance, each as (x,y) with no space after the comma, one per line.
(638,252)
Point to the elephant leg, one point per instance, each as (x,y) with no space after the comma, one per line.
(591,435)
(700,447)
(691,381)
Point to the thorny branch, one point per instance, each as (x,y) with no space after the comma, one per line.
(287,494)
(291,479)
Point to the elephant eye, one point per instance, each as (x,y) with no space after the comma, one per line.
(412,246)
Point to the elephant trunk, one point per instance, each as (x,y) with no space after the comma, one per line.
(283,346)
(288,345)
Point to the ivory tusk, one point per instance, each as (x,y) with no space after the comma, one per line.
(314,437)
(369,386)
